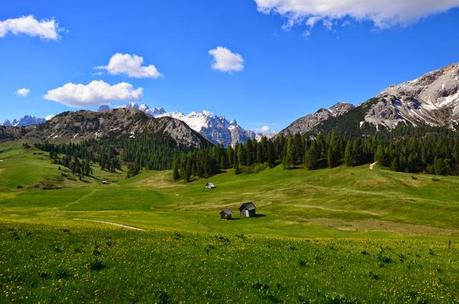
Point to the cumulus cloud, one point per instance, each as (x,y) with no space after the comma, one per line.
(23,92)
(95,93)
(226,61)
(131,65)
(381,13)
(265,129)
(47,29)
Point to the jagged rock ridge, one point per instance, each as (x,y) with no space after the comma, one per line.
(432,99)
(310,121)
(84,125)
(215,128)
(24,121)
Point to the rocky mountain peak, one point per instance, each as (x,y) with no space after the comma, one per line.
(216,129)
(431,99)
(119,123)
(24,121)
(310,121)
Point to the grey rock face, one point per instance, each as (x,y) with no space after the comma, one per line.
(308,122)
(84,125)
(24,121)
(432,99)
(217,129)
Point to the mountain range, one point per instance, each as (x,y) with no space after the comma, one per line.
(24,121)
(432,99)
(216,128)
(116,123)
(307,123)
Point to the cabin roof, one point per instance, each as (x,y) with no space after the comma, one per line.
(247,206)
(226,211)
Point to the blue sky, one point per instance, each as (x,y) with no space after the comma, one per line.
(321,59)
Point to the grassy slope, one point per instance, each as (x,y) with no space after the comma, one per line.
(85,265)
(374,213)
(341,202)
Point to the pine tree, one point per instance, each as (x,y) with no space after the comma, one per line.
(379,155)
(187,175)
(441,166)
(348,153)
(175,171)
(249,152)
(312,157)
(288,161)
(299,149)
(333,155)
(241,155)
(230,156)
(271,155)
(237,169)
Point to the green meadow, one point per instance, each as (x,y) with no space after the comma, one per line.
(342,235)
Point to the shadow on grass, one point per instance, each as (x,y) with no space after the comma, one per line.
(243,218)
(259,215)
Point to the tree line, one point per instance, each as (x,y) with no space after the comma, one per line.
(149,151)
(404,149)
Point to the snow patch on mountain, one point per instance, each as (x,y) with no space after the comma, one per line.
(431,99)
(215,128)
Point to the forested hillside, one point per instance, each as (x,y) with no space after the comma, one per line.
(405,149)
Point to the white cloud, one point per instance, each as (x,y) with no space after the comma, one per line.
(226,61)
(49,117)
(381,13)
(47,29)
(95,93)
(23,92)
(265,129)
(131,65)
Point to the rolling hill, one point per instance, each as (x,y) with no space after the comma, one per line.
(72,127)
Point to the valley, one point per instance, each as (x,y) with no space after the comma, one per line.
(382,235)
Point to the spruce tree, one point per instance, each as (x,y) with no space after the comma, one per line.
(348,153)
(288,161)
(271,155)
(175,171)
(379,155)
(237,168)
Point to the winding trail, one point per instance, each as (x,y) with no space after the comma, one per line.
(111,223)
(81,198)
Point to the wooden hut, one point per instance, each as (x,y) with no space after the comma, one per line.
(248,209)
(226,214)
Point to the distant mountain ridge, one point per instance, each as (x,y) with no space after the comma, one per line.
(24,121)
(119,123)
(430,100)
(217,129)
(310,121)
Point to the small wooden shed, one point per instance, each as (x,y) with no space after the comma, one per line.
(226,214)
(248,209)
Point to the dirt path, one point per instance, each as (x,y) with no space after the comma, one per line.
(81,198)
(111,223)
